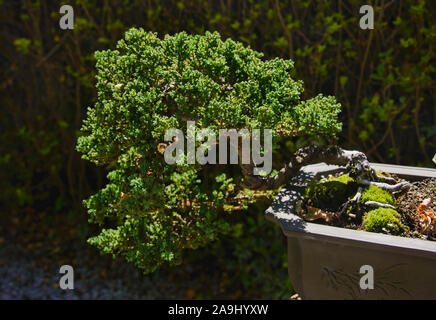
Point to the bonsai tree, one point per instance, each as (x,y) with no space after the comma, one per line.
(150,211)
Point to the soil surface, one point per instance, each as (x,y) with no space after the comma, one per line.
(408,203)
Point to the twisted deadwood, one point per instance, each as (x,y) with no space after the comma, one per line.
(355,163)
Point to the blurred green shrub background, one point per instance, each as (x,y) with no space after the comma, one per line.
(384,79)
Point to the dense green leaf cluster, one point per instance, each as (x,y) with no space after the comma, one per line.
(149,85)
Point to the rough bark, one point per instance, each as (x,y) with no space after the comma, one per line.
(354,200)
(356,163)
(379,205)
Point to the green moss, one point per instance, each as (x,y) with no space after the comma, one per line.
(335,191)
(345,178)
(382,173)
(331,194)
(373,193)
(383,220)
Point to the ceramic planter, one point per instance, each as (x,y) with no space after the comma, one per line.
(324,262)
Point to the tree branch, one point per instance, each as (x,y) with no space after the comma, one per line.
(355,162)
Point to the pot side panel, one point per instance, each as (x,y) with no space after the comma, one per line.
(323,270)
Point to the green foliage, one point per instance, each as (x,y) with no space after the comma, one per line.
(149,85)
(383,220)
(22,45)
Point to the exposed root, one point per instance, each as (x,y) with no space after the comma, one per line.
(389,180)
(354,200)
(401,186)
(395,188)
(379,204)
(356,165)
(385,183)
